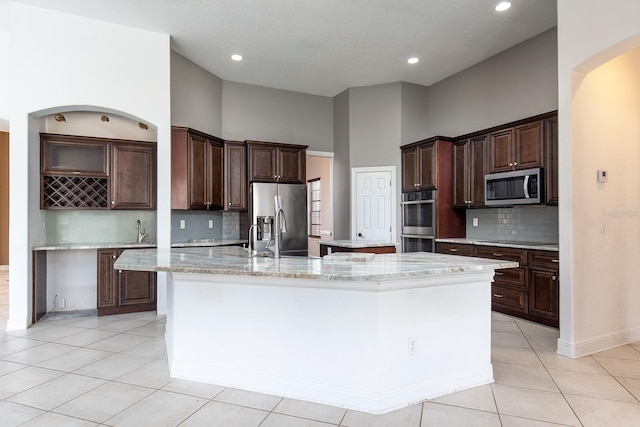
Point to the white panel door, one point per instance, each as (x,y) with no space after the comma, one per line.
(373,206)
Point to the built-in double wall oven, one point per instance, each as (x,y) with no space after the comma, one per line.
(418,221)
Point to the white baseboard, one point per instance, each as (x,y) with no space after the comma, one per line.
(367,400)
(596,345)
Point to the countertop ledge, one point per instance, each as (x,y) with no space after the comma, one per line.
(132,245)
(234,261)
(506,244)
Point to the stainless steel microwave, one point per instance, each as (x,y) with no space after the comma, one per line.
(521,187)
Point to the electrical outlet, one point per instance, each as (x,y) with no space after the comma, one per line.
(61,303)
(475,222)
(182,224)
(412,346)
(210,223)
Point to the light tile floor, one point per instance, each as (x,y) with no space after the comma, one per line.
(113,370)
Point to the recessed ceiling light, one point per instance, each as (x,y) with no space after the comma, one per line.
(413,60)
(236,57)
(502,6)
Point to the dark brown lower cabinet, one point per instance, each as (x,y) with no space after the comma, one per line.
(530,291)
(544,287)
(122,291)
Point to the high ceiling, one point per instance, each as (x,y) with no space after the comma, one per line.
(325,46)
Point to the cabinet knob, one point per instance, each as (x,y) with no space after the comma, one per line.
(113,256)
(515,163)
(119,271)
(553,277)
(229,203)
(510,163)
(113,202)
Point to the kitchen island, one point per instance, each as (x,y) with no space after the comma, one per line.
(372,333)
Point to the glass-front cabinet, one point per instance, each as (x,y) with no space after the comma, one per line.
(59,155)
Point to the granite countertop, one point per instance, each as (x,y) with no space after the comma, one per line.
(74,246)
(134,245)
(209,243)
(234,261)
(356,243)
(503,243)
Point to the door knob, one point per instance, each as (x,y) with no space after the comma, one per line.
(360,235)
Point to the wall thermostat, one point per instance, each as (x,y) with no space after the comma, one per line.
(602,176)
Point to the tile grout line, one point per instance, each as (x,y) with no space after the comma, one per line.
(550,376)
(616,378)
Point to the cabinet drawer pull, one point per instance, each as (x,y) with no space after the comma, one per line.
(555,260)
(453,250)
(499,274)
(496,254)
(497,295)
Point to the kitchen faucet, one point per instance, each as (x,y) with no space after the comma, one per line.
(141,231)
(280,226)
(251,245)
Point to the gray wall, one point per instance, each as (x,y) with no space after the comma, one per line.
(196,96)
(266,114)
(517,83)
(341,167)
(374,125)
(414,112)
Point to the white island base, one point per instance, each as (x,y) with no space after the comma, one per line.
(372,346)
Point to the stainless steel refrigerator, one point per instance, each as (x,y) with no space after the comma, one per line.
(293,199)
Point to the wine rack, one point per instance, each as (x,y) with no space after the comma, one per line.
(72,192)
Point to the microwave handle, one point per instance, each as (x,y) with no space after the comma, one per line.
(525,186)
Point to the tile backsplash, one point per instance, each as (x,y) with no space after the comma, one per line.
(93,226)
(520,224)
(226,225)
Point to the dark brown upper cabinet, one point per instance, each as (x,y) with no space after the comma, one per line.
(235,176)
(470,166)
(519,147)
(79,172)
(420,166)
(133,176)
(197,171)
(551,163)
(276,162)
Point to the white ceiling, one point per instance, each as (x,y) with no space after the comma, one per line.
(325,46)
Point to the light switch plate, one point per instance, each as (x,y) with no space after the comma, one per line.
(210,223)
(475,222)
(182,224)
